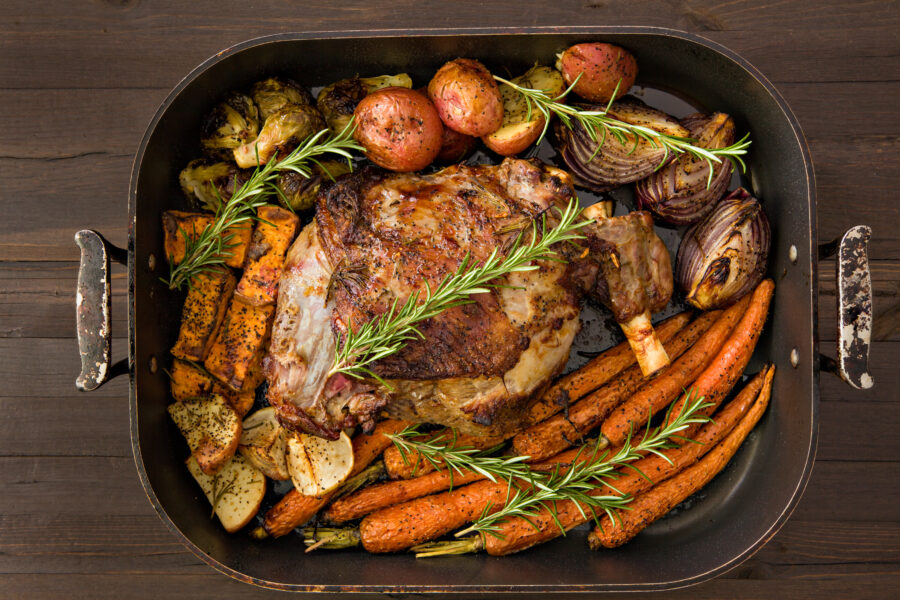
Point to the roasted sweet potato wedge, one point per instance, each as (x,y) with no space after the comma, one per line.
(189,381)
(177,224)
(271,239)
(243,333)
(204,309)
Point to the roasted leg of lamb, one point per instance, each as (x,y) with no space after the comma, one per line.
(378,237)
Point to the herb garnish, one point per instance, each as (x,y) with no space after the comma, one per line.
(387,334)
(598,120)
(210,248)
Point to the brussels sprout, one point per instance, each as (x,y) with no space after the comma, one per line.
(207,182)
(283,131)
(299,192)
(233,122)
(273,94)
(338,100)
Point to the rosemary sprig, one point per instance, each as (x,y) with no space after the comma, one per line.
(595,121)
(386,335)
(577,481)
(442,454)
(212,246)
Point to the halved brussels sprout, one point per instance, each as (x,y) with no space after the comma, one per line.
(273,94)
(233,122)
(338,100)
(207,182)
(299,192)
(283,131)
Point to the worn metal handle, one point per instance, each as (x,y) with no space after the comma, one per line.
(92,306)
(854,307)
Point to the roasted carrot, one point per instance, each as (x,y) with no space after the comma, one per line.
(660,499)
(381,495)
(413,465)
(294,508)
(660,392)
(557,433)
(568,389)
(517,534)
(726,368)
(599,371)
(402,526)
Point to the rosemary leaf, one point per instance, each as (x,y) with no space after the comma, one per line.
(595,121)
(386,335)
(209,249)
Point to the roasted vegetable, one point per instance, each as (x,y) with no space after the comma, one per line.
(456,146)
(208,183)
(264,444)
(611,160)
(233,122)
(683,192)
(245,329)
(235,492)
(282,131)
(724,256)
(399,128)
(273,94)
(522,123)
(338,100)
(298,192)
(597,69)
(189,381)
(273,234)
(179,225)
(316,465)
(467,97)
(202,313)
(211,428)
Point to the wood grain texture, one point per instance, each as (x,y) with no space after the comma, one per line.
(79,81)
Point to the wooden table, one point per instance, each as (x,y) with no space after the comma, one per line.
(78,84)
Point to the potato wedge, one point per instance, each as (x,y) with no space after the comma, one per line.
(521,127)
(264,444)
(235,492)
(212,430)
(203,311)
(272,237)
(244,332)
(189,381)
(177,224)
(241,402)
(317,465)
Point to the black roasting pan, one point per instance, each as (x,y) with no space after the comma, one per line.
(720,527)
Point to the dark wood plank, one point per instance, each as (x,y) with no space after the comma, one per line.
(794,41)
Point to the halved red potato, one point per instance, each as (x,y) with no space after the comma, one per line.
(399,128)
(520,129)
(602,65)
(467,97)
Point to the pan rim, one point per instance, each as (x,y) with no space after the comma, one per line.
(751,70)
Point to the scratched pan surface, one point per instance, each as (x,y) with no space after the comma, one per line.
(719,527)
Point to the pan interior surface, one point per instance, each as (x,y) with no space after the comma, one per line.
(729,519)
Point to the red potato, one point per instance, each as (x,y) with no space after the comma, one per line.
(456,146)
(399,128)
(466,97)
(602,65)
(522,125)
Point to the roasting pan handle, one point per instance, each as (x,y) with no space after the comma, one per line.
(854,307)
(92,305)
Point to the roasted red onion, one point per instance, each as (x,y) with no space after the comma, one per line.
(723,257)
(682,192)
(614,163)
